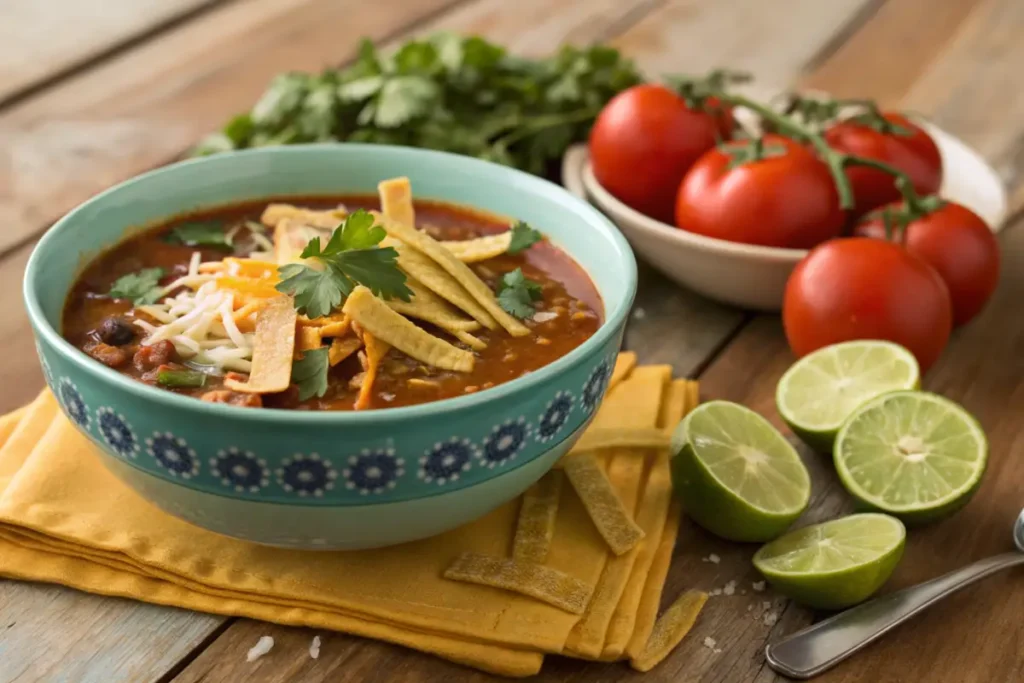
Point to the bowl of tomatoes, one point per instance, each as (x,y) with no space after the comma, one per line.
(727,201)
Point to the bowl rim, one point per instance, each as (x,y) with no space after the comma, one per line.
(524,182)
(652,226)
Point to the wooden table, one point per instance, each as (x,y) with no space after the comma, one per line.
(95,91)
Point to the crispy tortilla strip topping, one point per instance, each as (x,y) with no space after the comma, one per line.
(481,248)
(537,581)
(608,513)
(338,329)
(308,338)
(469,340)
(291,237)
(336,317)
(275,213)
(612,437)
(536,526)
(375,317)
(273,350)
(399,221)
(670,629)
(375,352)
(435,279)
(427,306)
(342,348)
(624,364)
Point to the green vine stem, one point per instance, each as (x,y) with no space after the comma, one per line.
(835,160)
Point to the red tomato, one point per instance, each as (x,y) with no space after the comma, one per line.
(916,155)
(859,288)
(644,141)
(786,199)
(959,245)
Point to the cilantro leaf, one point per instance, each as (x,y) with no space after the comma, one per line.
(200,234)
(351,257)
(142,287)
(523,237)
(310,373)
(516,294)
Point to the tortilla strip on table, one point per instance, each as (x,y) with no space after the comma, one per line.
(275,213)
(376,349)
(273,350)
(479,248)
(377,318)
(396,200)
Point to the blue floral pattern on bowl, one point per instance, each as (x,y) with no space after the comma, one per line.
(240,470)
(446,461)
(505,442)
(373,471)
(306,475)
(116,433)
(173,454)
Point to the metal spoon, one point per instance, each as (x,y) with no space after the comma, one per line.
(819,647)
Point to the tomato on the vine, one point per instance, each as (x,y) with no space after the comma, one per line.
(645,140)
(861,288)
(773,192)
(892,139)
(957,243)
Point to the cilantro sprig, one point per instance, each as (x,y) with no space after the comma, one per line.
(517,294)
(310,373)
(351,257)
(446,92)
(200,234)
(142,287)
(523,237)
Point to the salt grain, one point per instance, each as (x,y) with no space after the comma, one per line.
(264,645)
(730,588)
(639,313)
(314,648)
(758,586)
(750,608)
(770,618)
(712,558)
(766,605)
(710,643)
(717,591)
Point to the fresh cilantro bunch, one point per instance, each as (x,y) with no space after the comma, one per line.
(517,294)
(142,287)
(200,234)
(351,257)
(446,92)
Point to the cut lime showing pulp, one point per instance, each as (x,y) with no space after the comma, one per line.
(835,564)
(912,454)
(822,389)
(736,475)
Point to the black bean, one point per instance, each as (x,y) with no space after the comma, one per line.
(116,331)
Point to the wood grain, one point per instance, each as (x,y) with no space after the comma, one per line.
(150,104)
(41,39)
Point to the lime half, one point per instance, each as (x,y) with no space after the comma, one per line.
(912,454)
(821,390)
(835,564)
(736,475)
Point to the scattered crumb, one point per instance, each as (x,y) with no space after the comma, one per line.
(639,313)
(750,608)
(743,591)
(712,558)
(314,648)
(717,591)
(264,645)
(770,618)
(766,605)
(710,643)
(730,588)
(758,586)
(387,397)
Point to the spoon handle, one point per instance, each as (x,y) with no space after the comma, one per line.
(821,646)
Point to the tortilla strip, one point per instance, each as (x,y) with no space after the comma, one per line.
(275,213)
(481,248)
(535,580)
(336,317)
(291,237)
(396,202)
(377,318)
(429,307)
(435,279)
(341,348)
(597,438)
(339,329)
(307,338)
(624,364)
(376,349)
(273,350)
(469,340)
(537,516)
(476,287)
(613,521)
(670,629)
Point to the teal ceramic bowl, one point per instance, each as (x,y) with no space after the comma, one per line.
(323,479)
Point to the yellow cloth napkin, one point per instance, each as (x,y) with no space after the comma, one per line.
(65,519)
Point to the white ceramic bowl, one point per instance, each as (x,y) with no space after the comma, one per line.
(752,276)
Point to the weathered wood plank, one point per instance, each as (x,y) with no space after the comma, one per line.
(44,38)
(48,633)
(150,104)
